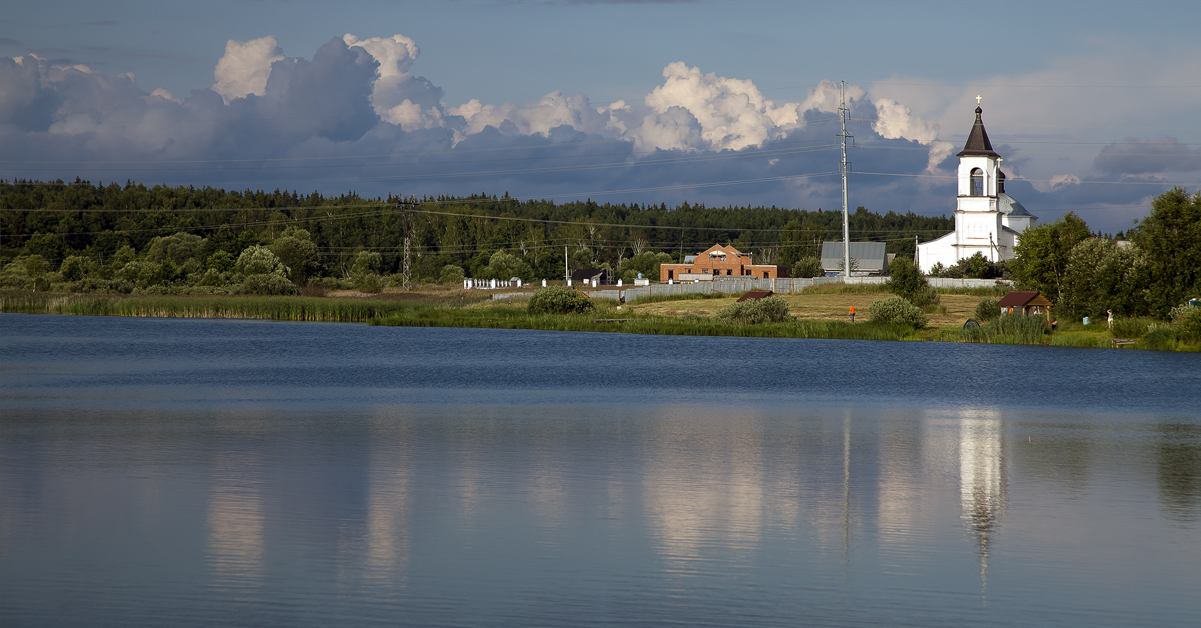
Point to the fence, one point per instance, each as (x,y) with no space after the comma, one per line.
(739,285)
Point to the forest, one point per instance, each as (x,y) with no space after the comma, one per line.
(124,238)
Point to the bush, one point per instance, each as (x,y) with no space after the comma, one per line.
(1131,327)
(1187,320)
(768,310)
(925,297)
(1158,339)
(908,282)
(370,283)
(987,309)
(807,267)
(559,300)
(267,284)
(899,311)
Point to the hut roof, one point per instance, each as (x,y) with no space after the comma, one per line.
(755,295)
(1024,298)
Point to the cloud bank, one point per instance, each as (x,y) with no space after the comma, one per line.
(355,116)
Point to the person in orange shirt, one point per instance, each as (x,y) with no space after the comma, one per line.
(852,313)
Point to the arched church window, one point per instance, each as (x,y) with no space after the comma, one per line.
(977,182)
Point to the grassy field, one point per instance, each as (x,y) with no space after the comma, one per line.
(819,305)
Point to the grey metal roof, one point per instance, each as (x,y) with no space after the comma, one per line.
(977,140)
(871,255)
(1006,204)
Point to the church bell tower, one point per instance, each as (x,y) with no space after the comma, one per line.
(977,219)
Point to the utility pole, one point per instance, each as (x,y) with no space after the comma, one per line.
(566,272)
(406,225)
(845,167)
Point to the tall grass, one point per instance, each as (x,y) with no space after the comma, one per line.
(255,307)
(841,288)
(1134,328)
(989,291)
(1010,329)
(689,296)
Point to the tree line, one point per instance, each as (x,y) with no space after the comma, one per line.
(116,233)
(1156,270)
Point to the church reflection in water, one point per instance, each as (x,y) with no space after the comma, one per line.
(982,478)
(236,538)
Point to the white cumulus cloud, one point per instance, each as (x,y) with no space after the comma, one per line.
(732,112)
(245,67)
(896,121)
(397,96)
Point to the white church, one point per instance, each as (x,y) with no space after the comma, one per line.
(987,220)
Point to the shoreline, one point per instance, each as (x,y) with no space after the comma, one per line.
(483,313)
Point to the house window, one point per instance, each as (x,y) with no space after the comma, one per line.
(765,274)
(977,182)
(671,274)
(729,271)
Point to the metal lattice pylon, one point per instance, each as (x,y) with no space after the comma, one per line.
(408,277)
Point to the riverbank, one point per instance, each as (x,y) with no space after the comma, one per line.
(817,314)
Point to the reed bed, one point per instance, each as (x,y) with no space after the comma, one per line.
(1010,329)
(513,318)
(308,309)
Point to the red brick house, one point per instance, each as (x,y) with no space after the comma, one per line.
(719,261)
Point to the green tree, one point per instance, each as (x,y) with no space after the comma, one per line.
(1170,237)
(1043,252)
(295,248)
(259,260)
(365,263)
(451,274)
(185,250)
(503,265)
(807,267)
(1101,276)
(221,261)
(73,269)
(646,262)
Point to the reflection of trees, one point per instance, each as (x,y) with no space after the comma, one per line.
(1058,457)
(1178,470)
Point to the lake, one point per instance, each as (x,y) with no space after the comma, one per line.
(245,473)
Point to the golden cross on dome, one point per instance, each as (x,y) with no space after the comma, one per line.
(977,100)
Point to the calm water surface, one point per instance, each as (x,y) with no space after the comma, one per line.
(196,473)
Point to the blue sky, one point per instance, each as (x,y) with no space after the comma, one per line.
(1094,105)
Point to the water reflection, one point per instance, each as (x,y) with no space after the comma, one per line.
(236,545)
(982,478)
(704,484)
(1178,470)
(386,554)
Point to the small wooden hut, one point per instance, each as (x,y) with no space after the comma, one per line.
(1025,302)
